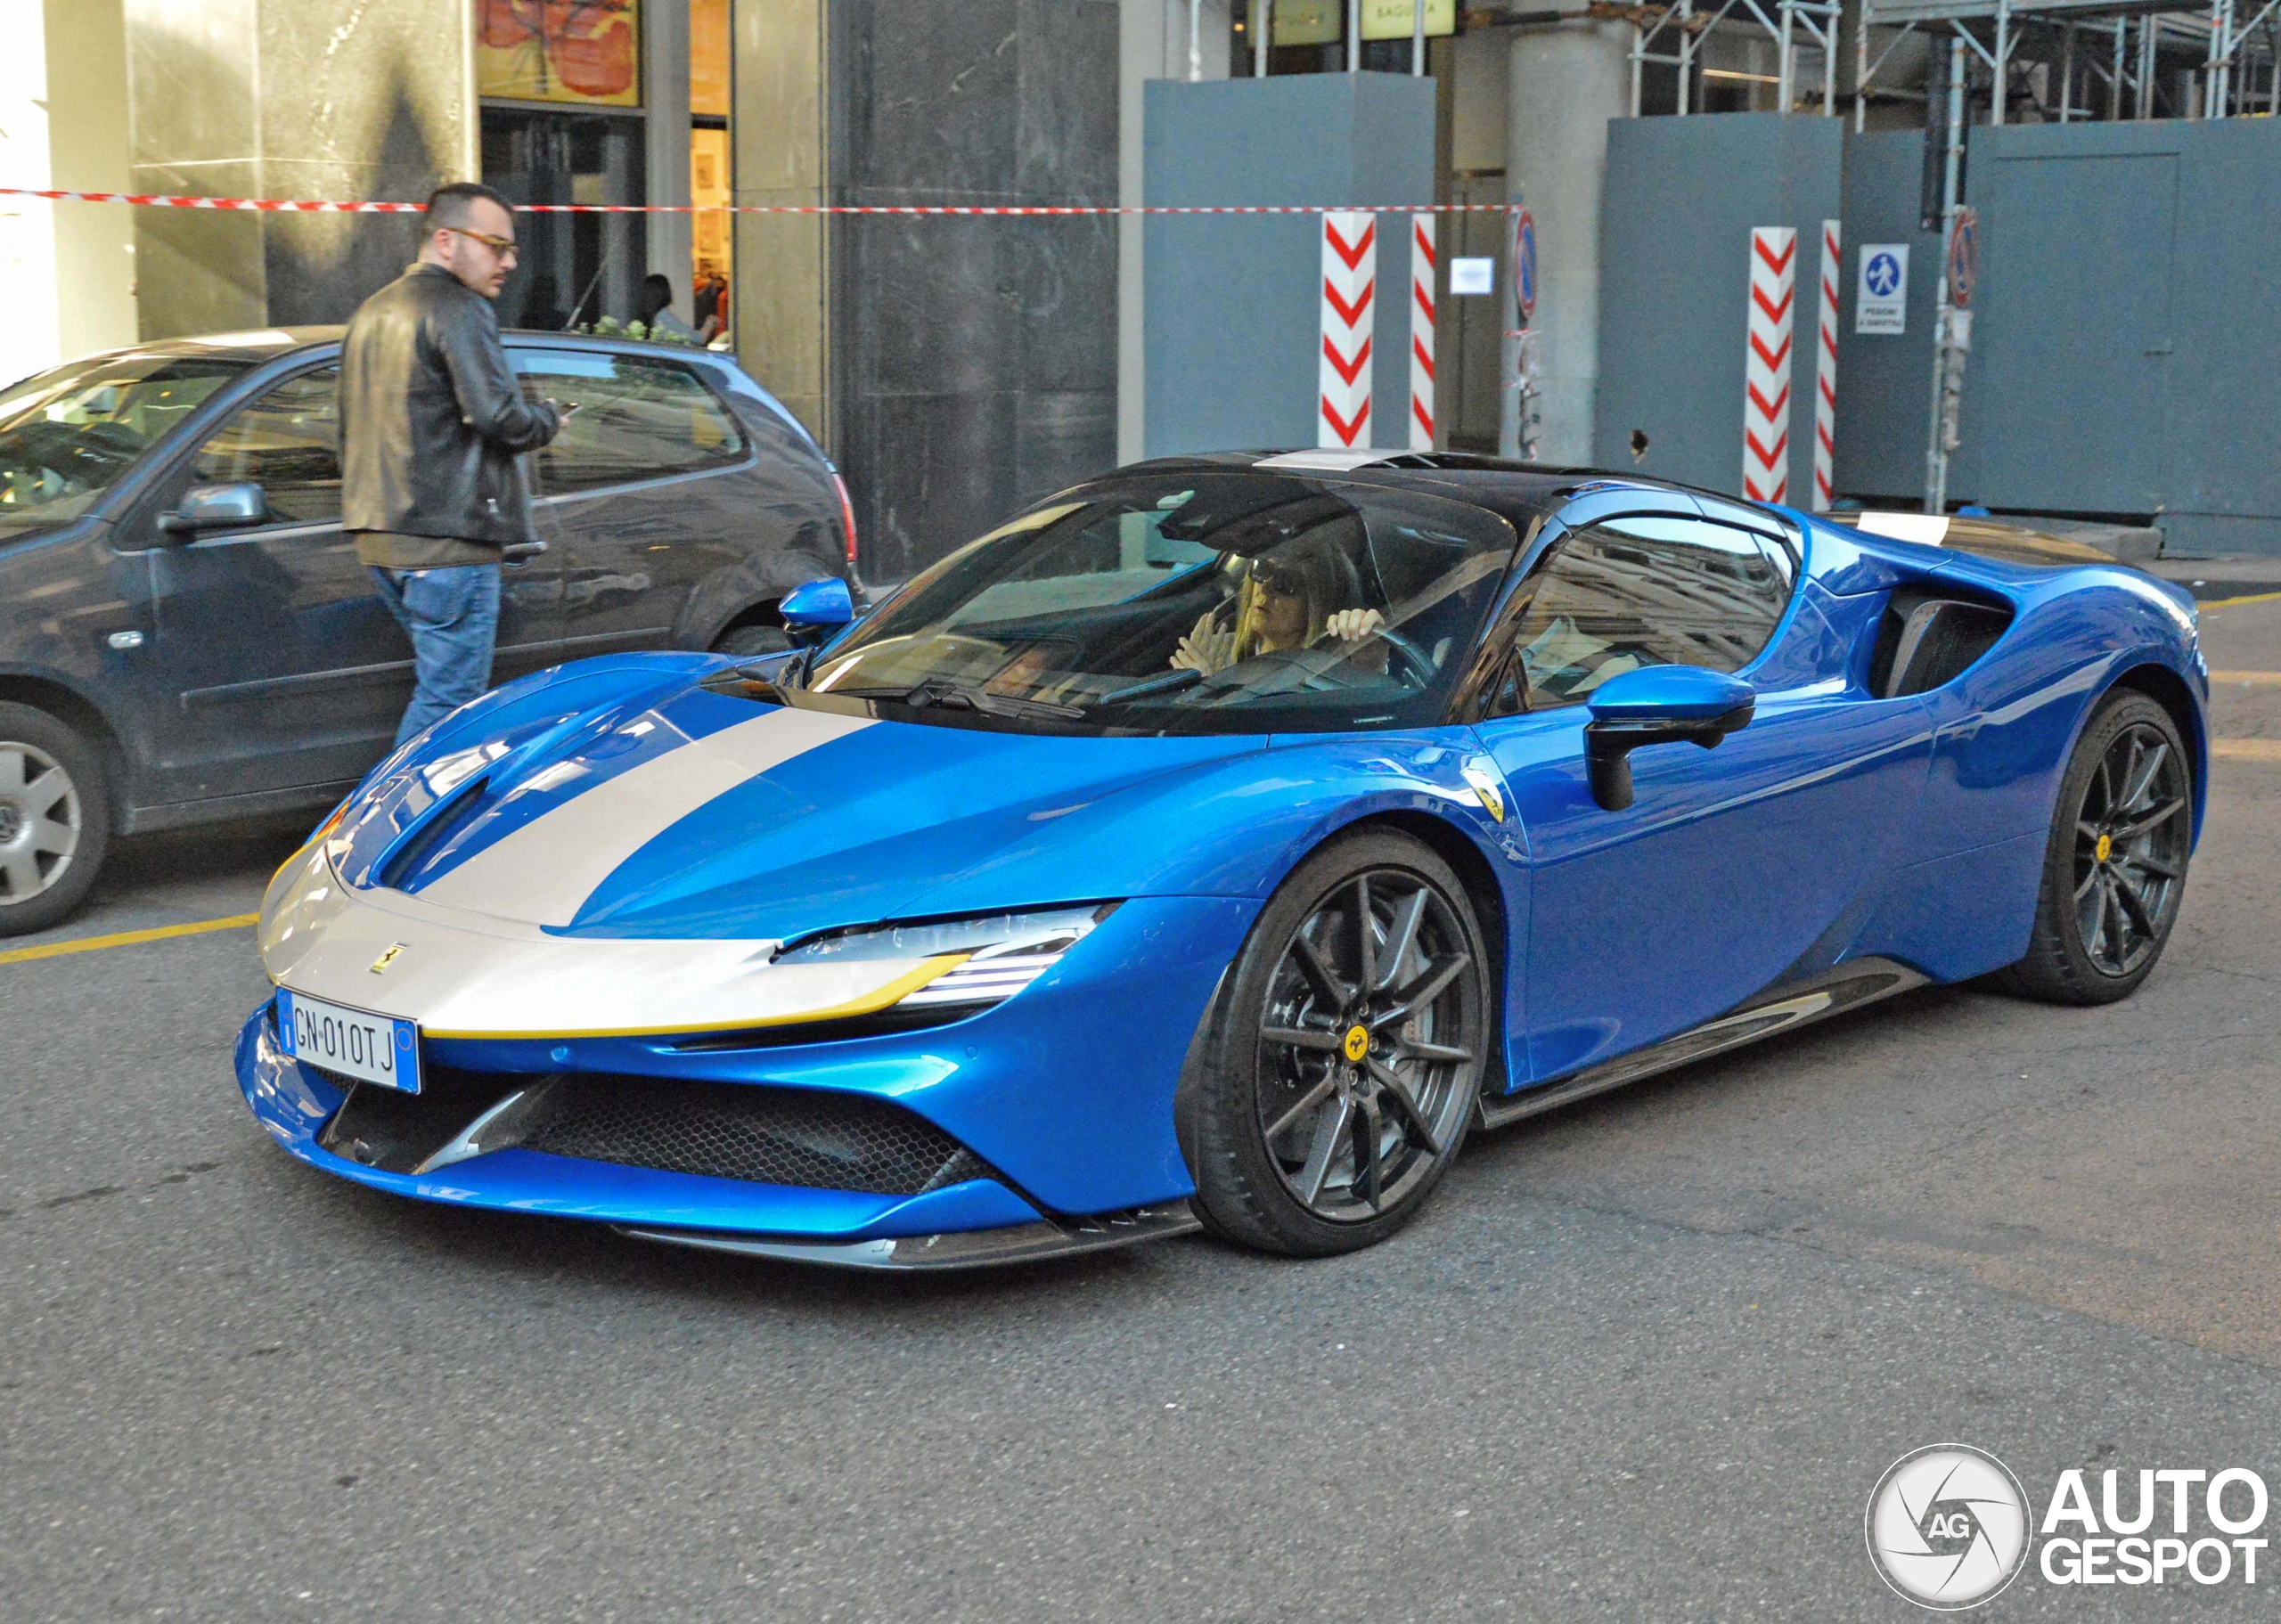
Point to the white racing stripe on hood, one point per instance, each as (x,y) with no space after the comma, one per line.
(545,871)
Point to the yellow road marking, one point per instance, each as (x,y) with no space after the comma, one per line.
(126,938)
(2247,749)
(2248,679)
(2227,603)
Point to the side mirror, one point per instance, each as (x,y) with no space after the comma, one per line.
(217,507)
(815,609)
(1659,705)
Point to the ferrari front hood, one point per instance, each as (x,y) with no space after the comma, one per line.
(705,816)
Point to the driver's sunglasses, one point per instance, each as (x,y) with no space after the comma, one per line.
(501,246)
(1282,580)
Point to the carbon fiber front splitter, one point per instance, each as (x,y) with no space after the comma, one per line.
(961,1249)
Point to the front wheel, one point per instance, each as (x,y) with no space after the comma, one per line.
(2114,872)
(1342,1076)
(54,819)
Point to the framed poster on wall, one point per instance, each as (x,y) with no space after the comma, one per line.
(581,52)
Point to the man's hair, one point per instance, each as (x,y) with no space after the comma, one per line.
(454,204)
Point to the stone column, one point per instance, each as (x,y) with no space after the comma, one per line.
(288,99)
(665,101)
(1567,81)
(67,269)
(781,307)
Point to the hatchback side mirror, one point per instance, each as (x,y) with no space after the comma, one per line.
(217,507)
(1658,705)
(815,609)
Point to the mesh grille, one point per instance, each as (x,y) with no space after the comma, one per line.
(769,1135)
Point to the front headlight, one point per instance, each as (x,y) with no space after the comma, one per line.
(1006,951)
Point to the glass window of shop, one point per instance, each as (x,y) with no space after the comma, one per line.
(708,163)
(1310,35)
(562,123)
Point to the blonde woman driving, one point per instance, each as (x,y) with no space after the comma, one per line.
(1282,604)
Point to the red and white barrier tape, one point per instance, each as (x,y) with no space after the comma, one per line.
(311,207)
(1421,332)
(1349,286)
(1766,368)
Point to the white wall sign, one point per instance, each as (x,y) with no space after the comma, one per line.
(1473,275)
(1881,295)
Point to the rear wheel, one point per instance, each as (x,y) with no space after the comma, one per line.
(2114,872)
(1342,1077)
(54,819)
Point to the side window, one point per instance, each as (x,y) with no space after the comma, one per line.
(286,441)
(638,418)
(1630,592)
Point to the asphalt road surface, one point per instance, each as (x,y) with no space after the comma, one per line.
(1642,1360)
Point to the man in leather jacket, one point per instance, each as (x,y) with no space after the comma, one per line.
(433,428)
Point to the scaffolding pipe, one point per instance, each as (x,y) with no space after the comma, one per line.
(1259,38)
(1353,36)
(2115,81)
(1686,53)
(2067,73)
(1416,39)
(1936,450)
(1830,36)
(1785,86)
(2003,61)
(2143,86)
(1860,68)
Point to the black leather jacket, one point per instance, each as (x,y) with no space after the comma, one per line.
(433,423)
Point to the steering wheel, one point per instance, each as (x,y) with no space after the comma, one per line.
(1422,669)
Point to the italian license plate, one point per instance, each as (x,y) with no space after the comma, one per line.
(378,1048)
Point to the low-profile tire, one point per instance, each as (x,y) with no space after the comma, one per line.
(2114,872)
(746,641)
(1344,1070)
(54,819)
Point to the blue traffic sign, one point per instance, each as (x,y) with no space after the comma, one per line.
(1882,274)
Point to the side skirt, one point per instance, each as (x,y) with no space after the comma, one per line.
(1849,986)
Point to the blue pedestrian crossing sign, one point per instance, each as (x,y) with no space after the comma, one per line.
(1881,294)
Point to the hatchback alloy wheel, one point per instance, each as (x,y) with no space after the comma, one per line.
(39,822)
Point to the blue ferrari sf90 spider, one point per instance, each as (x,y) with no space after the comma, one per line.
(1217,845)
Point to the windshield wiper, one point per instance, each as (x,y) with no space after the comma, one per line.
(965,696)
(1163,684)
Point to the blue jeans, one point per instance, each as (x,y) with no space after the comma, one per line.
(451,617)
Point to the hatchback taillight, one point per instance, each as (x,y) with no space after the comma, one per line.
(846,516)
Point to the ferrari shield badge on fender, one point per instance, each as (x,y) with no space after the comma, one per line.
(387,958)
(1484,786)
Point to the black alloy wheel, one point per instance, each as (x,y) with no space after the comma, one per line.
(2115,870)
(1343,1072)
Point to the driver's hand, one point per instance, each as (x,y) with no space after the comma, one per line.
(1352,625)
(1206,648)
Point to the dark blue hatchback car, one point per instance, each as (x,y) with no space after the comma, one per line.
(186,636)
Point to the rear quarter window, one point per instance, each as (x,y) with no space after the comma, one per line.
(638,417)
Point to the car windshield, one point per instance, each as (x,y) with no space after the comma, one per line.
(1214,603)
(66,436)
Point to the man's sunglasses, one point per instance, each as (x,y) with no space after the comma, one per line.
(501,246)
